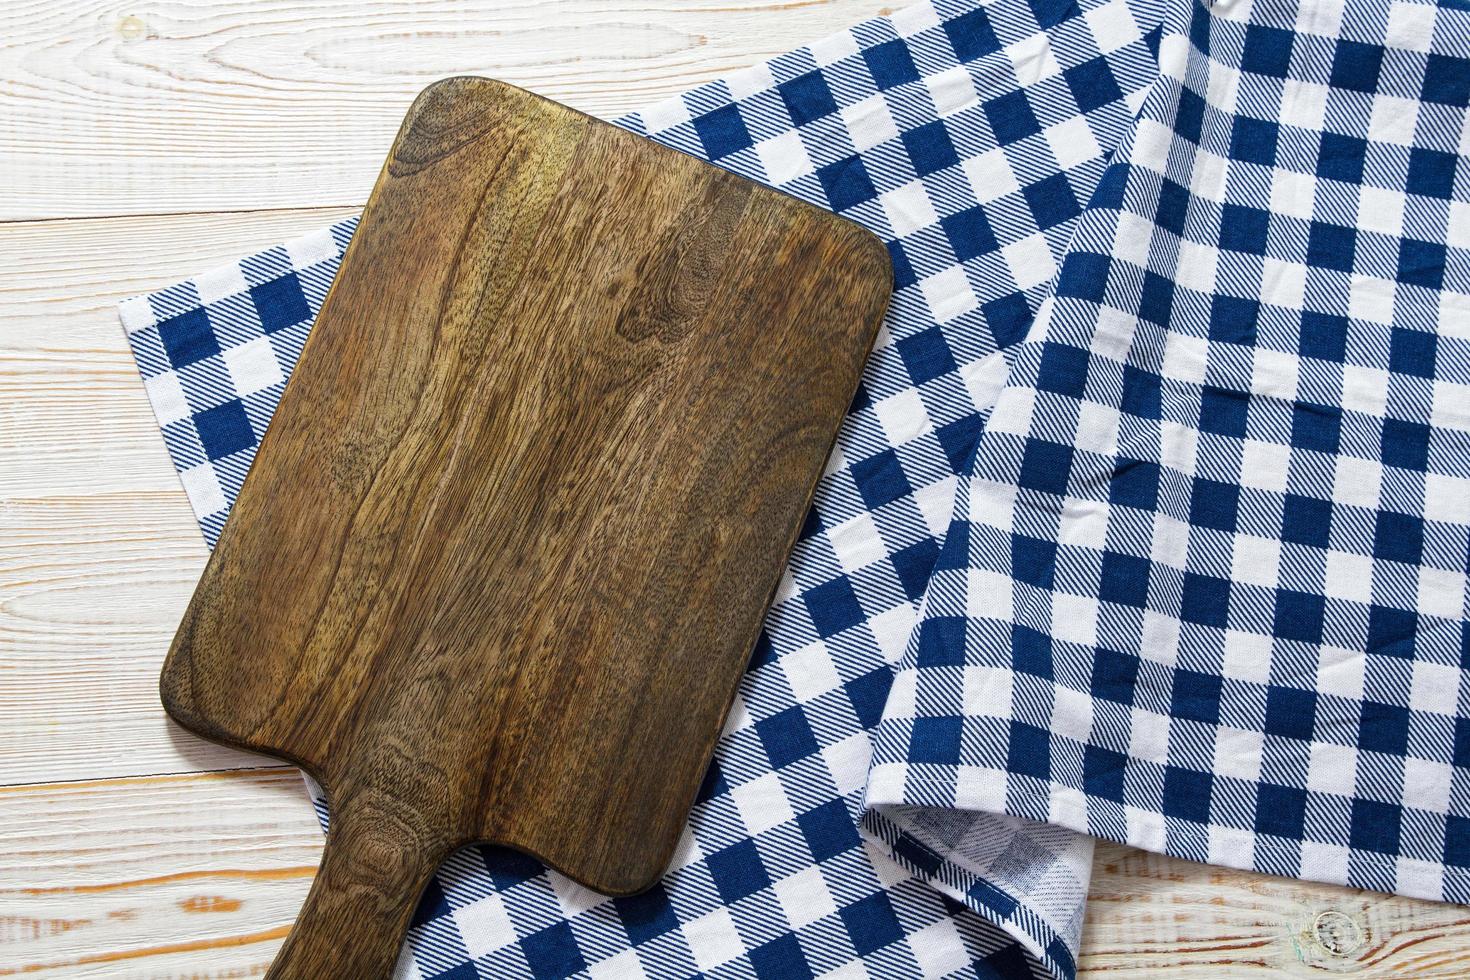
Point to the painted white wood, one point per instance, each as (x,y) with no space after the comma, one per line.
(1151,917)
(171,876)
(186,106)
(99,551)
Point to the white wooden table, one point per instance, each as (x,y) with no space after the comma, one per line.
(142,143)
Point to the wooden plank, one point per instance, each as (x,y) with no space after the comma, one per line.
(98,548)
(241,104)
(1151,917)
(168,876)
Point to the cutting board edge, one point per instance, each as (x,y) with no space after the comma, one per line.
(178,699)
(869,255)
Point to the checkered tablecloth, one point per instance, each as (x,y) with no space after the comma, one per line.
(1197,584)
(1205,589)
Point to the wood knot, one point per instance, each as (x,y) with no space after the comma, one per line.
(1338,933)
(130,28)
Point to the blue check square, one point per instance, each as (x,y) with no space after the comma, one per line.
(738,871)
(1011,118)
(780,959)
(828,830)
(871,923)
(280,303)
(936,739)
(188,337)
(787,737)
(1033,561)
(846,183)
(891,64)
(881,479)
(723,132)
(807,98)
(553,952)
(225,429)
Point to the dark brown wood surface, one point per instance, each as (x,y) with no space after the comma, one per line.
(504,553)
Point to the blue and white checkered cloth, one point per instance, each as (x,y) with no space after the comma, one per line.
(1205,588)
(1198,583)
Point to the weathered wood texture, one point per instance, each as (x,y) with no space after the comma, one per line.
(164,876)
(1150,916)
(99,551)
(171,107)
(177,105)
(505,550)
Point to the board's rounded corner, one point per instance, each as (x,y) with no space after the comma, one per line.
(175,693)
(179,707)
(871,261)
(615,883)
(455,86)
(452,91)
(619,886)
(634,887)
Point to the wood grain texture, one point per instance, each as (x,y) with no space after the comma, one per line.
(1151,917)
(197,875)
(504,552)
(99,550)
(220,105)
(178,105)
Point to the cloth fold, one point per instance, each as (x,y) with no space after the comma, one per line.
(1205,587)
(1152,349)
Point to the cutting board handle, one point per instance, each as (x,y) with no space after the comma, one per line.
(374,869)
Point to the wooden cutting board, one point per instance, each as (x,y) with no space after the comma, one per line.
(506,547)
